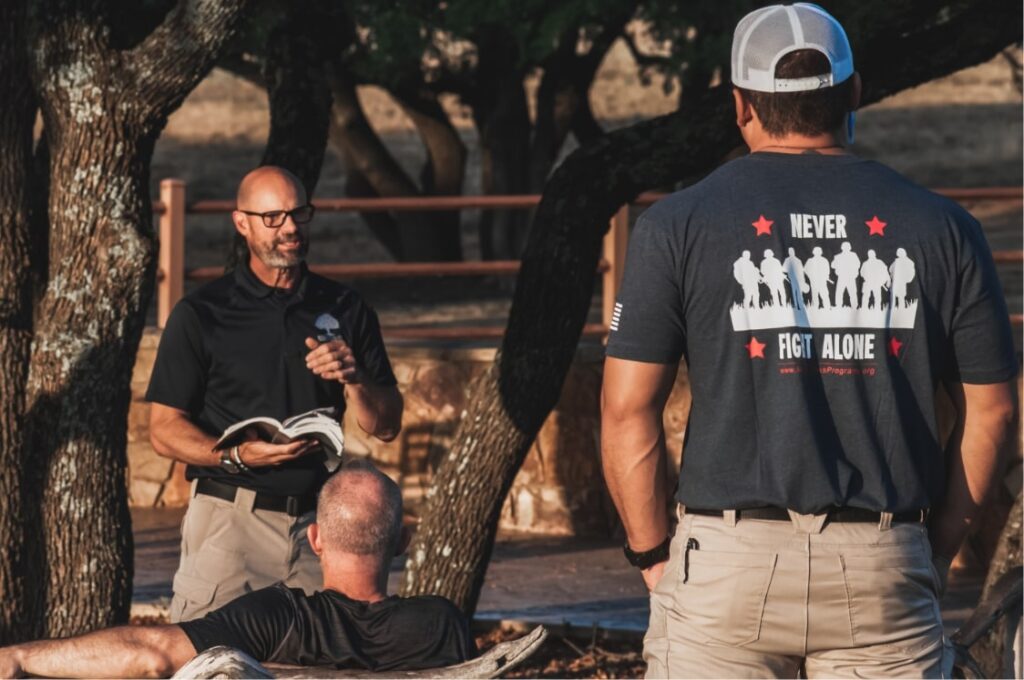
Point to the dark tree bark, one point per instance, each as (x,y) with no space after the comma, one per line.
(294,74)
(373,171)
(502,120)
(517,156)
(991,650)
(103,107)
(510,401)
(39,218)
(17,115)
(445,168)
(563,105)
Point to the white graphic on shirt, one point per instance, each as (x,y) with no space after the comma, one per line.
(616,315)
(327,325)
(806,303)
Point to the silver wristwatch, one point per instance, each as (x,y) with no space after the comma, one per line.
(227,461)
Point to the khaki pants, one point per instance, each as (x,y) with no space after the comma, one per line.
(755,599)
(228,549)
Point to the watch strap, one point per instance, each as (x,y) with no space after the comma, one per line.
(237,457)
(647,558)
(226,463)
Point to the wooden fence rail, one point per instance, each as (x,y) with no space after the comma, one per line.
(171,275)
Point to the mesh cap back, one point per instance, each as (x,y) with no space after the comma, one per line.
(766,35)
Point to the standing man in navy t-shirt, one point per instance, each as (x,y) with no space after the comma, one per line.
(818,508)
(269,339)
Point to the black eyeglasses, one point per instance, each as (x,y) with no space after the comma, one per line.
(275,219)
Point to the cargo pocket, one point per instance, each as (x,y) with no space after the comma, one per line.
(197,591)
(721,595)
(892,600)
(192,597)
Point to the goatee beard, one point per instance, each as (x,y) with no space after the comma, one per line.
(275,259)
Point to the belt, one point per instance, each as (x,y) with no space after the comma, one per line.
(295,506)
(844,514)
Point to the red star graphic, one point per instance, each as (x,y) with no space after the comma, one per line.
(755,348)
(876,227)
(894,347)
(763,226)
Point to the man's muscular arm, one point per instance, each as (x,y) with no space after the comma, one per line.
(985,415)
(174,436)
(378,408)
(633,451)
(123,652)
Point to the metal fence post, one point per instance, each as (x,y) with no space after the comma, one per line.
(171,261)
(615,255)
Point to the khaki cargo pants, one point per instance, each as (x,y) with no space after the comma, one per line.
(757,599)
(228,549)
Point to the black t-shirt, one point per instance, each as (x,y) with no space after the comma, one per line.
(818,301)
(284,625)
(235,349)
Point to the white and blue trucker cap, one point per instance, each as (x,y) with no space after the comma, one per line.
(766,35)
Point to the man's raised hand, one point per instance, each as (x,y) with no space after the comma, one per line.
(333,360)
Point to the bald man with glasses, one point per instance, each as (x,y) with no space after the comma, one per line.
(268,339)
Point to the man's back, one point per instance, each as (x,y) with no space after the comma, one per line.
(815,407)
(283,625)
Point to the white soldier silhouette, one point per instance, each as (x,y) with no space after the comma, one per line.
(746,274)
(902,272)
(876,277)
(774,277)
(817,271)
(846,265)
(794,269)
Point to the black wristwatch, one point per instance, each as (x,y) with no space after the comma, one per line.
(647,558)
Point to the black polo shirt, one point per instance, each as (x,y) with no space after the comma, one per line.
(235,349)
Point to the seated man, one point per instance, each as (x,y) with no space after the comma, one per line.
(351,623)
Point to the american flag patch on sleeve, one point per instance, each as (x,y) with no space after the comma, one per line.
(616,314)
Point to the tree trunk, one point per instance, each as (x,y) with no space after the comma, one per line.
(370,168)
(991,650)
(510,401)
(502,121)
(103,110)
(445,169)
(294,74)
(17,116)
(563,104)
(373,171)
(504,130)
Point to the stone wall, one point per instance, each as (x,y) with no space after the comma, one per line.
(559,489)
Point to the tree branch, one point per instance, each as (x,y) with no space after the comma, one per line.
(644,60)
(183,48)
(245,66)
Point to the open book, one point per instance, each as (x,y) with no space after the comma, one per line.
(320,424)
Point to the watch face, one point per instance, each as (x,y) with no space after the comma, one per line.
(227,463)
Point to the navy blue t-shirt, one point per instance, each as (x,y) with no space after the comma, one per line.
(819,301)
(235,349)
